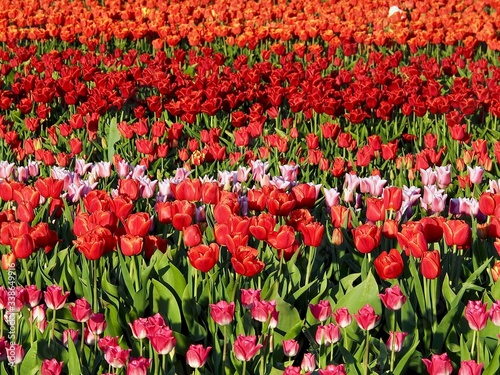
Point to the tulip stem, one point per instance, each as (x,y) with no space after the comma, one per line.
(244,368)
(367,352)
(25,266)
(1,323)
(393,343)
(312,254)
(474,336)
(53,326)
(82,342)
(164,364)
(195,286)
(224,349)
(96,302)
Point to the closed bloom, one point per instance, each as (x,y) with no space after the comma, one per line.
(366,318)
(393,298)
(308,362)
(476,315)
(439,364)
(138,366)
(431,264)
(395,341)
(51,367)
(343,317)
(81,310)
(494,313)
(222,312)
(197,355)
(322,310)
(389,265)
(290,347)
(245,347)
(163,340)
(55,298)
(204,257)
(470,367)
(249,297)
(333,370)
(366,238)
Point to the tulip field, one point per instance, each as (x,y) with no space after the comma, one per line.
(249,187)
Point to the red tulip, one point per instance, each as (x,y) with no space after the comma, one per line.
(366,238)
(130,188)
(257,199)
(430,267)
(203,257)
(342,317)
(393,198)
(280,203)
(305,195)
(22,246)
(116,356)
(261,226)
(312,233)
(192,235)
(245,347)
(210,192)
(131,245)
(432,228)
(290,348)
(138,224)
(457,232)
(189,190)
(245,261)
(470,367)
(49,187)
(96,323)
(416,245)
(375,209)
(121,206)
(389,265)
(395,341)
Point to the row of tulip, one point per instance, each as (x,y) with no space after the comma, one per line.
(202,225)
(378,22)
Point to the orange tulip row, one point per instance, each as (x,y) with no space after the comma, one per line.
(248,22)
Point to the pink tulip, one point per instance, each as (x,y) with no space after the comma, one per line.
(197,355)
(494,313)
(470,367)
(222,312)
(343,317)
(366,318)
(163,341)
(443,176)
(393,298)
(396,339)
(476,315)
(138,366)
(249,297)
(245,347)
(438,364)
(290,348)
(322,310)
(308,362)
(51,367)
(55,298)
(81,310)
(475,174)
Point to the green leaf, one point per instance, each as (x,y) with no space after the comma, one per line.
(74,367)
(31,363)
(410,353)
(113,137)
(164,302)
(174,280)
(189,310)
(494,365)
